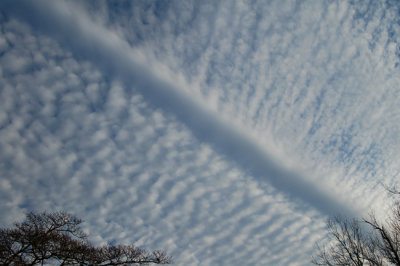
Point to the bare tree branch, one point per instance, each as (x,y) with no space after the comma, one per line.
(57,237)
(365,242)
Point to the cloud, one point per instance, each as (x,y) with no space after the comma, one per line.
(158,128)
(157,85)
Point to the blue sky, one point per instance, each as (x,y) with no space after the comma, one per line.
(225,132)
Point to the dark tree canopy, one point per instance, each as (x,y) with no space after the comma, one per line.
(362,242)
(57,238)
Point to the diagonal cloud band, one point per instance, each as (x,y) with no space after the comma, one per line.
(116,58)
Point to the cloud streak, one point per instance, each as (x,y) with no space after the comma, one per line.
(160,87)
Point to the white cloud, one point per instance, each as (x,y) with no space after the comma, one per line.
(315,84)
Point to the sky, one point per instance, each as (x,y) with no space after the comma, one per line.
(224,132)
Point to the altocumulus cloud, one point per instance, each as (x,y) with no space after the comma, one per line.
(214,131)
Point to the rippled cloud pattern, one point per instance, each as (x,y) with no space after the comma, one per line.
(224,132)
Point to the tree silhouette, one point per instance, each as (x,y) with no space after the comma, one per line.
(57,238)
(362,242)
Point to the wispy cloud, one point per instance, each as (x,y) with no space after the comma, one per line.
(160,87)
(168,127)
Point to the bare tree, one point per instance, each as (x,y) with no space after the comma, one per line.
(57,238)
(362,242)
